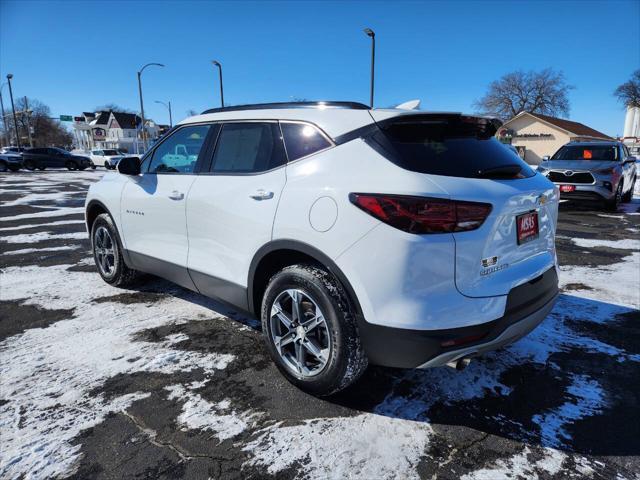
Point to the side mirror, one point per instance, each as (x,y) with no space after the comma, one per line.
(546,158)
(129,166)
(631,159)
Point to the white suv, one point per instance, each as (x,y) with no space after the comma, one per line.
(404,239)
(107,158)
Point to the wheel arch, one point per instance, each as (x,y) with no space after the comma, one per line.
(278,254)
(93,209)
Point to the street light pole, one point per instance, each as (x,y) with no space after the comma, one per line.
(4,120)
(168,108)
(217,64)
(144,136)
(371,33)
(13,108)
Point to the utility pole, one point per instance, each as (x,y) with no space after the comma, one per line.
(371,33)
(144,132)
(27,112)
(4,120)
(13,108)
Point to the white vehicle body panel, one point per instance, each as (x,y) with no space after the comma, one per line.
(227,225)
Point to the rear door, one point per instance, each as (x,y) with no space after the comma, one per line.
(153,206)
(231,207)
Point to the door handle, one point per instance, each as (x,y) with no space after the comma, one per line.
(262,195)
(176,195)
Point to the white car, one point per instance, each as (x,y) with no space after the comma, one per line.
(106,158)
(358,236)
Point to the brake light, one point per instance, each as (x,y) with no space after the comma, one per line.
(422,215)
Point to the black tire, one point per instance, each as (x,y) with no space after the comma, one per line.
(13,167)
(29,165)
(93,167)
(627,197)
(81,168)
(41,167)
(71,165)
(3,166)
(122,275)
(346,360)
(612,204)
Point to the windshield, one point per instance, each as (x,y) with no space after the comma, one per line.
(587,152)
(110,152)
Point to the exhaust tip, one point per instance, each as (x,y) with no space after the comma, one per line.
(459,364)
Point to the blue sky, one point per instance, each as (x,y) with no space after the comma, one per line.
(77,55)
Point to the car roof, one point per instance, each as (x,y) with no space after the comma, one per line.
(333,117)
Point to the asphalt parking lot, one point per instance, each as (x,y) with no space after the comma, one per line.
(160,382)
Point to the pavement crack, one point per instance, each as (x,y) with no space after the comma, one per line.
(456,450)
(152,437)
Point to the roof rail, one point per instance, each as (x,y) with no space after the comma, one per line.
(280,105)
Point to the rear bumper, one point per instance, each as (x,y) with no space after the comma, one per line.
(527,306)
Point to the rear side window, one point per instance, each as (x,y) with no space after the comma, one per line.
(179,153)
(248,147)
(586,152)
(450,145)
(302,139)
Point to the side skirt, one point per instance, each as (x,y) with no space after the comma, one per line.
(224,291)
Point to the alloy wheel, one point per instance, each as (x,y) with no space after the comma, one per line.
(104,248)
(299,332)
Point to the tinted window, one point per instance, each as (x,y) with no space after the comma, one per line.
(586,152)
(302,140)
(248,148)
(109,152)
(451,145)
(179,153)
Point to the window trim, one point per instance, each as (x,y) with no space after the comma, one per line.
(149,154)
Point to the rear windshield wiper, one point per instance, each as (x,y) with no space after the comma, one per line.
(502,171)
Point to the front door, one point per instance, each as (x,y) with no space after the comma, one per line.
(153,206)
(230,209)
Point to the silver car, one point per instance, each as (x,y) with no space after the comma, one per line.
(603,171)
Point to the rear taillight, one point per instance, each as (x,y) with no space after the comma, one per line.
(423,214)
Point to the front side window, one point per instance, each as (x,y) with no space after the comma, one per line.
(248,147)
(302,139)
(179,153)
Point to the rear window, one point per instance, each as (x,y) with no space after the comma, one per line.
(586,152)
(450,145)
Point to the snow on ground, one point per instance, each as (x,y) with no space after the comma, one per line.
(366,446)
(41,236)
(42,225)
(24,251)
(60,212)
(59,366)
(220,417)
(617,283)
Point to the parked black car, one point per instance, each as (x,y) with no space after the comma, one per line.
(10,161)
(42,158)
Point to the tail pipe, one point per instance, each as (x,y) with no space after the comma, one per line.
(459,364)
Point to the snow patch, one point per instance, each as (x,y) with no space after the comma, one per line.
(220,418)
(42,236)
(24,251)
(625,244)
(60,212)
(364,446)
(41,225)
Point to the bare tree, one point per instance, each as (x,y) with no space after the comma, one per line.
(542,92)
(629,92)
(46,131)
